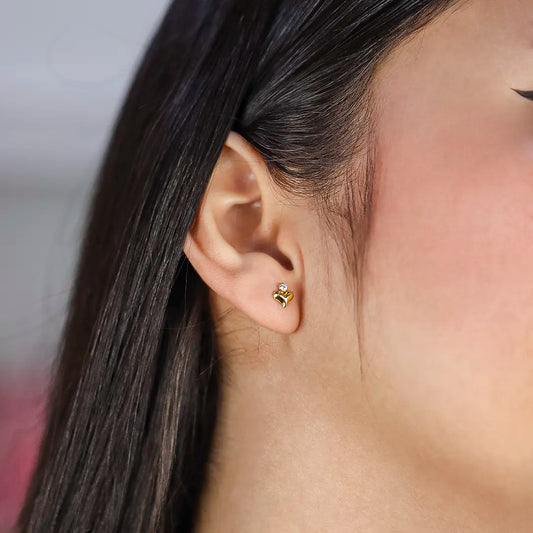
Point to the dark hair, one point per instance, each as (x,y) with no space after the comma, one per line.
(134,394)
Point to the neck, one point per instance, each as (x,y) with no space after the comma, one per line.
(295,450)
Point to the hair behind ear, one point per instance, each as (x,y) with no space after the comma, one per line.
(134,393)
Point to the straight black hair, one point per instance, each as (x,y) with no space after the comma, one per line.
(135,386)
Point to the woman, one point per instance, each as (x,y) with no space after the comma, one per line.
(304,299)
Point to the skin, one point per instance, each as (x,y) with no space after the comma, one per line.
(436,435)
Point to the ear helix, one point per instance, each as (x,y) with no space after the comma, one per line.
(283,295)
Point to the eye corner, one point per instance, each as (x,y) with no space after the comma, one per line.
(525,94)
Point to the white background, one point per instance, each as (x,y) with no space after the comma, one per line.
(64,67)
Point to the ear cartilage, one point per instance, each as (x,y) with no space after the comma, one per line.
(283,295)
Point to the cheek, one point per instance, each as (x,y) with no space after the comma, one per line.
(449,286)
(453,243)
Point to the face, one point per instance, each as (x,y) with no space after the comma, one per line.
(449,281)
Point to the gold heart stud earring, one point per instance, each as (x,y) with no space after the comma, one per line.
(283,295)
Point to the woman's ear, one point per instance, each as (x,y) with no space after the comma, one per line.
(242,242)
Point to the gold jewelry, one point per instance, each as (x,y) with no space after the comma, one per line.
(283,295)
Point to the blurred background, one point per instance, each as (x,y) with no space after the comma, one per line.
(64,68)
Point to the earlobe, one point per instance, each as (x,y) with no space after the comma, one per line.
(254,290)
(242,245)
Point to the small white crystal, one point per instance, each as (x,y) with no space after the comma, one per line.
(282,287)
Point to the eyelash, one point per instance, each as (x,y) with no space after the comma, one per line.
(525,94)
